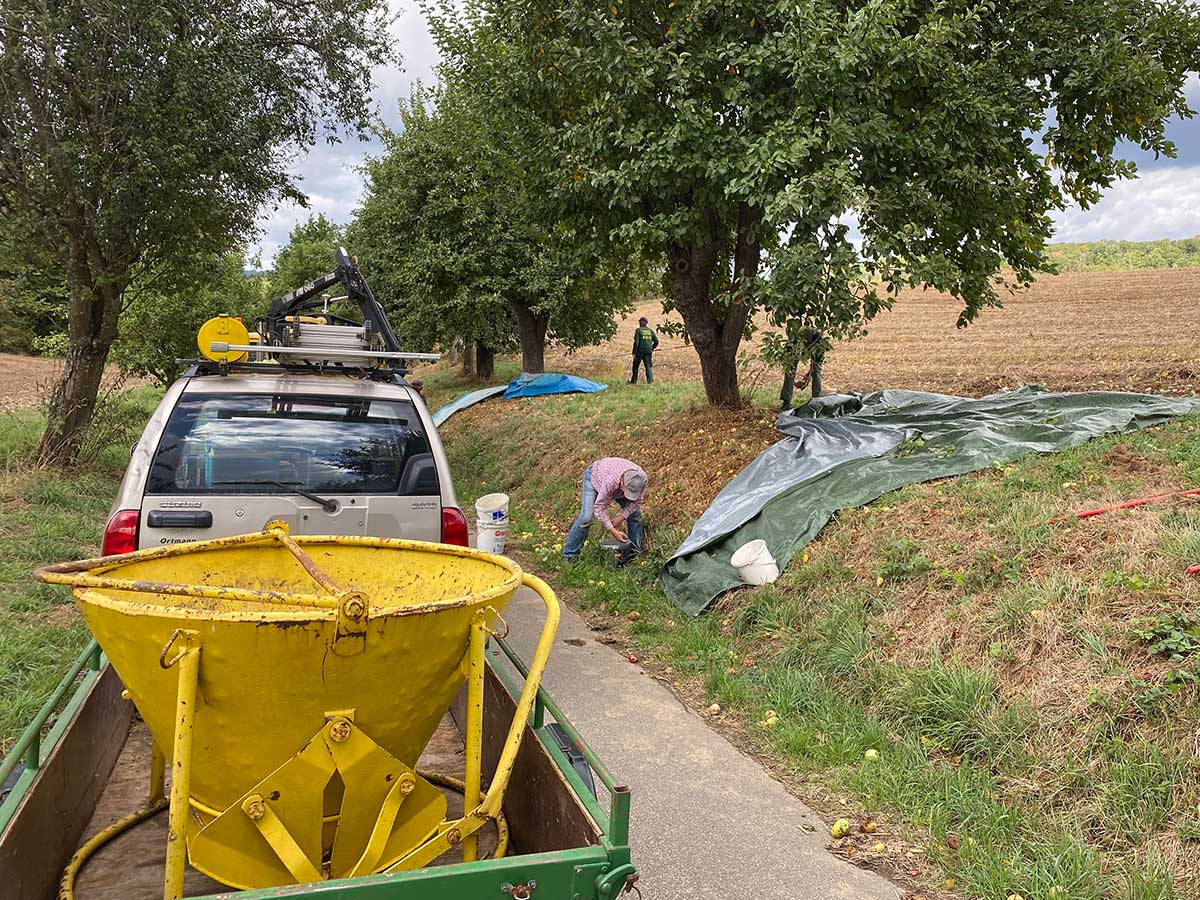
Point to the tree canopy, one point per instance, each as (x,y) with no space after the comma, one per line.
(456,235)
(135,134)
(160,322)
(1097,256)
(307,255)
(813,158)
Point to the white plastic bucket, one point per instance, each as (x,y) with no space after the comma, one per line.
(754,563)
(489,536)
(491,508)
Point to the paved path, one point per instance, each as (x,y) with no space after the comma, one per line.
(708,821)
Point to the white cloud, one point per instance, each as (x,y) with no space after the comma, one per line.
(1160,203)
(327,171)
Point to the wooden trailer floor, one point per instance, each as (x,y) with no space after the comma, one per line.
(130,867)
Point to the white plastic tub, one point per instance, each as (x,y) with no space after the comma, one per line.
(754,563)
(491,508)
(489,536)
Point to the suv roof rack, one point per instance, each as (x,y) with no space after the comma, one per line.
(215,367)
(324,344)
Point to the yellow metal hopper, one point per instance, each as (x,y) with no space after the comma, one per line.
(293,683)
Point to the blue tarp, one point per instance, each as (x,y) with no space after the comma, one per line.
(550,383)
(523,385)
(467,400)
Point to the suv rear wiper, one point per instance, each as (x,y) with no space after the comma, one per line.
(290,487)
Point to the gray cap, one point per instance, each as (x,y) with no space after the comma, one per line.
(634,484)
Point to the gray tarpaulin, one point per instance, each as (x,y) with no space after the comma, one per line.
(847,450)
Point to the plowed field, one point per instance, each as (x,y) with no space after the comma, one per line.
(1129,330)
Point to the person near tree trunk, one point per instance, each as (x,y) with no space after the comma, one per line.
(816,364)
(645,342)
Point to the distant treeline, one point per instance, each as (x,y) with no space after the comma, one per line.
(1098,256)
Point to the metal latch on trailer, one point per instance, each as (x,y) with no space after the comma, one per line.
(603,881)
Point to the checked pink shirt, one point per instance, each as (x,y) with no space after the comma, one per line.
(606,481)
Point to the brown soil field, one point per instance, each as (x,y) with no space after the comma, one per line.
(26,381)
(1126,331)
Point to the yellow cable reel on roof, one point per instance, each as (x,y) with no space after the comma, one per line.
(227,330)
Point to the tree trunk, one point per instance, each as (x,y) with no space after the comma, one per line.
(532,328)
(716,340)
(485,362)
(91,329)
(452,353)
(73,403)
(468,359)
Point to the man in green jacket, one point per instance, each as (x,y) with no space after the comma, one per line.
(645,342)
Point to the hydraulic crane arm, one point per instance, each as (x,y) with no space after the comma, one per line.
(308,296)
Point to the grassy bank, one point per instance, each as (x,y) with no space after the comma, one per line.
(50,515)
(1029,691)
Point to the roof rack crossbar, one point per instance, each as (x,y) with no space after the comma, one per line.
(318,352)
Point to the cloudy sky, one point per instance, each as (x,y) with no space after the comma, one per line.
(1164,202)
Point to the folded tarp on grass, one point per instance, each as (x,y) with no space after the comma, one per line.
(846,450)
(467,400)
(524,385)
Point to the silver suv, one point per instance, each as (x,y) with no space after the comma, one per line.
(330,443)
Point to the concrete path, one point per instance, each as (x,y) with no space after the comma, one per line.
(707,820)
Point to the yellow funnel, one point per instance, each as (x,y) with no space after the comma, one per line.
(321,667)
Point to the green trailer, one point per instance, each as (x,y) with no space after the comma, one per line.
(565,843)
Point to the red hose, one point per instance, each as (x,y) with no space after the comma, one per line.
(1128,504)
(1194,570)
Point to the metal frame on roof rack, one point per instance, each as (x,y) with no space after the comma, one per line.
(372,373)
(292,342)
(286,310)
(323,353)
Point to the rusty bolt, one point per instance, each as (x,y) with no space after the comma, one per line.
(355,608)
(339,730)
(407,784)
(254,807)
(453,836)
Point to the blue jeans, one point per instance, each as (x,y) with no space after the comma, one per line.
(583,524)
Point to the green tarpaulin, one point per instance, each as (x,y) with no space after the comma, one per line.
(847,450)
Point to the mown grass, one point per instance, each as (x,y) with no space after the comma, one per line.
(1028,738)
(50,515)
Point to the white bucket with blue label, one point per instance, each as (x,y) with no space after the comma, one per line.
(491,508)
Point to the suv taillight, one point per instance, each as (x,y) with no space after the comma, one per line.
(454,527)
(121,533)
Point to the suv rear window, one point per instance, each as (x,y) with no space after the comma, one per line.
(253,443)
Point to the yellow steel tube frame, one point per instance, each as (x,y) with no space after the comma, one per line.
(188,660)
(477,813)
(451,833)
(474,727)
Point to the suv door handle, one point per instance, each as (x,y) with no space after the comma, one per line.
(172,518)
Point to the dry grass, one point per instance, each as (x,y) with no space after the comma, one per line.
(1127,331)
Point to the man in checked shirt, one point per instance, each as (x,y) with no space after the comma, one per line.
(607,481)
